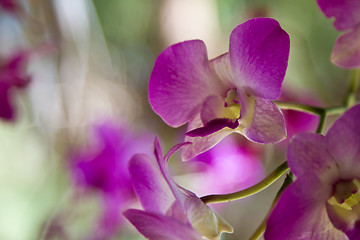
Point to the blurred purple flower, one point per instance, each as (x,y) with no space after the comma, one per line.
(12,76)
(9,5)
(102,167)
(230,166)
(346,52)
(323,202)
(170,211)
(231,93)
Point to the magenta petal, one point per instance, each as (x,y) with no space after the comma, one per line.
(346,52)
(159,227)
(268,123)
(259,52)
(6,108)
(309,158)
(180,82)
(162,163)
(301,214)
(354,234)
(9,5)
(343,140)
(345,12)
(149,184)
(201,144)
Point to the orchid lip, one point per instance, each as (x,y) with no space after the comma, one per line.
(213,126)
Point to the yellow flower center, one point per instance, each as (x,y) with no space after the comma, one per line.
(232,105)
(346,194)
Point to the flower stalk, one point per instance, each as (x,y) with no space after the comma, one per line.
(300,107)
(275,175)
(261,229)
(354,76)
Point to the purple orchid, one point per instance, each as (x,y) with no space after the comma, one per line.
(103,168)
(346,52)
(231,93)
(323,202)
(170,211)
(12,76)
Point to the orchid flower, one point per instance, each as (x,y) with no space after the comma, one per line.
(231,93)
(324,201)
(12,76)
(170,211)
(103,168)
(346,52)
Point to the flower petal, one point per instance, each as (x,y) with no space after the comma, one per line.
(149,184)
(267,124)
(201,144)
(259,52)
(204,220)
(180,82)
(343,140)
(308,156)
(9,5)
(345,220)
(162,163)
(222,67)
(212,108)
(345,12)
(159,227)
(346,52)
(301,214)
(6,106)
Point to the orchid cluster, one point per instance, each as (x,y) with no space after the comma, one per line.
(235,92)
(231,104)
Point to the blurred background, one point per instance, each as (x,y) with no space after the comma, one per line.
(89,64)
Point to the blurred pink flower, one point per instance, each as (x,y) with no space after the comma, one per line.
(230,166)
(102,167)
(9,5)
(12,76)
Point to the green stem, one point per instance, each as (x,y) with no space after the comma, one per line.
(277,173)
(300,107)
(261,229)
(355,76)
(322,122)
(335,110)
